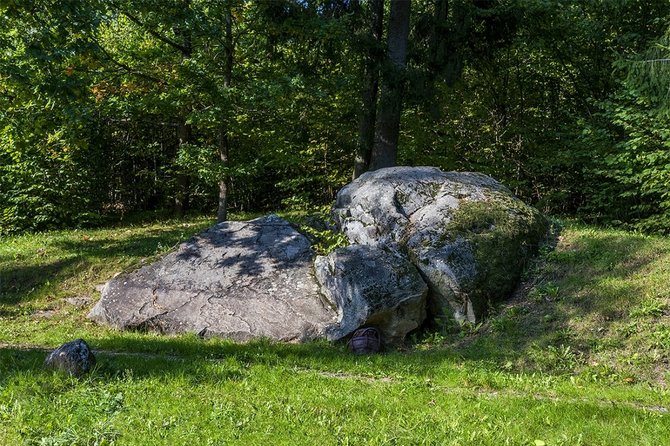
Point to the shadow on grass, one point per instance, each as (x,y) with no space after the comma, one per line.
(22,280)
(19,283)
(195,360)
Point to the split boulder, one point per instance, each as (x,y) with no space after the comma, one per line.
(423,241)
(372,287)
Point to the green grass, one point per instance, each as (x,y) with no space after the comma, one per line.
(578,356)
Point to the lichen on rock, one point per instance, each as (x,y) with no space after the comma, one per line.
(491,241)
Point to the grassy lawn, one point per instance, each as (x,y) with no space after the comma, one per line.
(579,356)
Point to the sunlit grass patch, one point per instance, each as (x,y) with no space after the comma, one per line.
(578,356)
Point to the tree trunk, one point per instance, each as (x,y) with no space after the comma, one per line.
(224,147)
(181,197)
(224,140)
(369,93)
(184,130)
(385,148)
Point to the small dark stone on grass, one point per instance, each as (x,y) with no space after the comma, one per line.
(74,357)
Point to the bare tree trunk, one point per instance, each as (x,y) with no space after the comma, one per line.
(438,43)
(184,130)
(224,140)
(182,194)
(374,58)
(224,146)
(385,149)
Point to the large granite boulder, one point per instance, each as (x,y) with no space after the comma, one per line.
(466,233)
(238,280)
(372,287)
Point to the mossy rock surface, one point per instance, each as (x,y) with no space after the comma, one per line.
(498,235)
(466,233)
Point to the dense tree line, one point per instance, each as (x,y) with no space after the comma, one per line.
(112,107)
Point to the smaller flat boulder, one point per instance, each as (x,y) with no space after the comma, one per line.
(238,280)
(372,287)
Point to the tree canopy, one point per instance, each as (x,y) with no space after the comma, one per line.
(112,107)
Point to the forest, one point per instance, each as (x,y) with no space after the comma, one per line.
(112,107)
(128,126)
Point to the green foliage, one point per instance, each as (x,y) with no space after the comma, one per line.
(555,359)
(647,73)
(548,291)
(325,241)
(320,229)
(108,108)
(528,110)
(131,73)
(47,165)
(649,308)
(638,164)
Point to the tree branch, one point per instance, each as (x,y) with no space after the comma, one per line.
(124,66)
(184,50)
(655,61)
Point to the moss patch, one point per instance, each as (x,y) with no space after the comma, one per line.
(503,234)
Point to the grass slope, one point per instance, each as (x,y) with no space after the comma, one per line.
(578,356)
